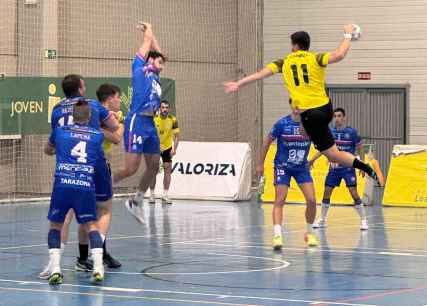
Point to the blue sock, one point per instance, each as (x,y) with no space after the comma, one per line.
(95,240)
(54,239)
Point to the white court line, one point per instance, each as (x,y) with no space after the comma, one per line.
(102,295)
(222,296)
(314,249)
(284,264)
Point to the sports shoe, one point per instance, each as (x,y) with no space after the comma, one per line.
(45,274)
(152,199)
(97,276)
(364,225)
(135,209)
(165,199)
(311,240)
(55,279)
(83,265)
(111,262)
(319,223)
(277,242)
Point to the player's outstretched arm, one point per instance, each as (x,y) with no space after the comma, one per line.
(264,149)
(114,137)
(155,44)
(339,54)
(233,86)
(146,46)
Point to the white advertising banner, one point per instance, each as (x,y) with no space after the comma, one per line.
(210,171)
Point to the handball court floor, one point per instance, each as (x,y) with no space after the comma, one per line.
(217,253)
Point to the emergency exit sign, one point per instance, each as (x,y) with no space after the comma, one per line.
(363,75)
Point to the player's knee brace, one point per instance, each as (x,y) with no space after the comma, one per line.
(326,202)
(95,240)
(54,239)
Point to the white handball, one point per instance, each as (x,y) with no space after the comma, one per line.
(357,32)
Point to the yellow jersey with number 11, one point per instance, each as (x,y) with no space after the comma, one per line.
(304,76)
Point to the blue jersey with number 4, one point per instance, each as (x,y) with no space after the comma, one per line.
(62,113)
(292,147)
(78,149)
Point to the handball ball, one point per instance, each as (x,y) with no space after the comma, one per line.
(355,35)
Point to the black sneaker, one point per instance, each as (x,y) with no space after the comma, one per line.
(110,262)
(83,265)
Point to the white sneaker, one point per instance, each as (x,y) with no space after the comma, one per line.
(135,209)
(152,199)
(364,225)
(319,223)
(45,274)
(165,199)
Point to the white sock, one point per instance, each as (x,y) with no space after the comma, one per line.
(277,230)
(152,192)
(361,211)
(309,228)
(98,265)
(63,247)
(55,260)
(102,237)
(165,193)
(324,211)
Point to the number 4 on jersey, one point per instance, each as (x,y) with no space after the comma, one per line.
(79,151)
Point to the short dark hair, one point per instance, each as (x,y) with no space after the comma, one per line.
(339,110)
(71,85)
(302,39)
(155,54)
(81,111)
(105,91)
(165,102)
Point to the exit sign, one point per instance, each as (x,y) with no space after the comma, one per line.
(50,54)
(363,75)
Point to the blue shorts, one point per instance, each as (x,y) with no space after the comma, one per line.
(334,177)
(83,202)
(282,176)
(103,183)
(140,135)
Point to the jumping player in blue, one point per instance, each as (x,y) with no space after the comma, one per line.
(290,161)
(348,140)
(78,148)
(140,134)
(74,89)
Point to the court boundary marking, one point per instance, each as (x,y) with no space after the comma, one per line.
(142,290)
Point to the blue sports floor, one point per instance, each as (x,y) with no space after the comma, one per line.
(213,253)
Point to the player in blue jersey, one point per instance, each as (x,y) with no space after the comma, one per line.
(348,140)
(290,161)
(140,134)
(74,89)
(78,148)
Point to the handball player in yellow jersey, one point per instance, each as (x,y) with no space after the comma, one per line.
(168,130)
(304,77)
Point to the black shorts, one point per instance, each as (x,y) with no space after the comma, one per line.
(316,124)
(166,156)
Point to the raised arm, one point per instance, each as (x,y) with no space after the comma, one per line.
(148,38)
(235,86)
(339,54)
(155,44)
